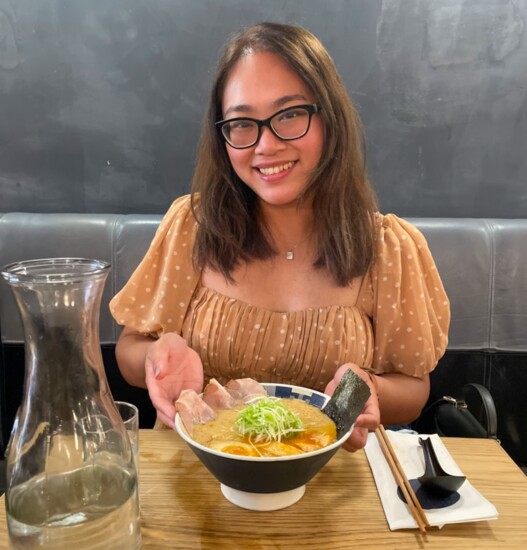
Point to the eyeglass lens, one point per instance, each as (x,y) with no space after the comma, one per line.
(289,124)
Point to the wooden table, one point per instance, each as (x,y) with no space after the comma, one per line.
(182,505)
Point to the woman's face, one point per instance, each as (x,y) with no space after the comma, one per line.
(259,85)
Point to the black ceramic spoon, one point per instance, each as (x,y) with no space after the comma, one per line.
(435,478)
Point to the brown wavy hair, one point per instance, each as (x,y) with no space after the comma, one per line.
(230,230)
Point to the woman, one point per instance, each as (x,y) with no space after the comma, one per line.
(278,266)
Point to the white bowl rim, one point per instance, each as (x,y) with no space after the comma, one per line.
(181,430)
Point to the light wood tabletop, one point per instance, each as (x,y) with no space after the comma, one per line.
(182,505)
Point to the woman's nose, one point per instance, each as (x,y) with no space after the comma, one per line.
(268,143)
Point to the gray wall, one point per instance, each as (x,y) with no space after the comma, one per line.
(101,100)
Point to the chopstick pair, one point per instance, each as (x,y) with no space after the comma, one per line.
(401,479)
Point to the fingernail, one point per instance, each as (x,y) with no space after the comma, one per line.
(156,371)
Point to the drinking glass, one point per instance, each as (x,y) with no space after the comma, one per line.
(130,415)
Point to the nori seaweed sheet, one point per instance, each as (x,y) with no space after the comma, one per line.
(347,401)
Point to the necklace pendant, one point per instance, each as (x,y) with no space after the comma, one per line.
(289,255)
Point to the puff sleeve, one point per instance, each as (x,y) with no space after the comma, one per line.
(406,301)
(156,297)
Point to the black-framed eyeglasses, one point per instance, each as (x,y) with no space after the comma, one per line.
(287,125)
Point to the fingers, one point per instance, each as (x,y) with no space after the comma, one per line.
(370,415)
(357,440)
(164,406)
(166,411)
(334,382)
(170,367)
(167,421)
(339,373)
(158,356)
(369,418)
(330,388)
(367,421)
(153,370)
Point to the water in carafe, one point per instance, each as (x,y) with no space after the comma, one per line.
(71,475)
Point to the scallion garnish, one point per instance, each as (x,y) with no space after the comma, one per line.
(268,420)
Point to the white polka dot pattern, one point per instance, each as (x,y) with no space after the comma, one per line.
(402,307)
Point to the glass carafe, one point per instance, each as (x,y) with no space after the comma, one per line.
(71,476)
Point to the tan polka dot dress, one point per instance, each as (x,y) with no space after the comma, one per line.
(399,323)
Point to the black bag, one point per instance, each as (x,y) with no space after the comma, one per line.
(472,416)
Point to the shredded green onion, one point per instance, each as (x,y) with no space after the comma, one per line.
(268,420)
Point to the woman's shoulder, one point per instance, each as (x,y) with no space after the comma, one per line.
(397,235)
(180,208)
(167,265)
(179,216)
(399,226)
(402,252)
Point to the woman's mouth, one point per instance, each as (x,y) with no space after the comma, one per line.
(272,170)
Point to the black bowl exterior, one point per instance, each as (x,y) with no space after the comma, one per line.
(263,477)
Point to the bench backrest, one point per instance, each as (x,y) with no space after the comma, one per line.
(482,262)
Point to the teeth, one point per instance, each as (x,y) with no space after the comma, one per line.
(276,169)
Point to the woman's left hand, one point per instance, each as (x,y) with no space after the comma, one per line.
(370,417)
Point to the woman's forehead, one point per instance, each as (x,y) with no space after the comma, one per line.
(262,79)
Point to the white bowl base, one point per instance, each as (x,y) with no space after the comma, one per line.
(263,502)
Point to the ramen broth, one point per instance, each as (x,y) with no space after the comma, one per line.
(221,433)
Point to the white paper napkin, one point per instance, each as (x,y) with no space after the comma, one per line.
(471,506)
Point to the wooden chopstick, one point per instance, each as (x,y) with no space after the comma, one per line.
(401,479)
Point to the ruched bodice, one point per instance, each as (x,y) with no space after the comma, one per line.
(238,340)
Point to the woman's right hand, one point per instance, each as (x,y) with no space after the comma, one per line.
(370,416)
(171,366)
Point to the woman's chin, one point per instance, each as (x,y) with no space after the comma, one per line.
(279,199)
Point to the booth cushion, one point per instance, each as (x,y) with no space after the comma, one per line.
(482,262)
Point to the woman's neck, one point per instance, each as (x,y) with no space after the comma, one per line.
(288,227)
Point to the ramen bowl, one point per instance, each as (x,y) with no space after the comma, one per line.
(266,483)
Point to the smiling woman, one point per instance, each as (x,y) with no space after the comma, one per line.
(278,266)
(276,168)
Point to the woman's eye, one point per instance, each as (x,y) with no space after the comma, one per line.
(292,115)
(240,125)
